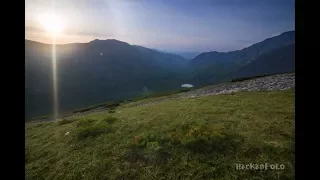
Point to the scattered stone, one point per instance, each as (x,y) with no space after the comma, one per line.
(275,82)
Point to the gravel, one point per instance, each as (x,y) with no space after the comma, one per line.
(268,83)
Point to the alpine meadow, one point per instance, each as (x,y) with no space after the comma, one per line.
(159,90)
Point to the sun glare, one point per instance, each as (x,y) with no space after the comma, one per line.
(52,23)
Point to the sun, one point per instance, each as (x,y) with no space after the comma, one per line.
(52,23)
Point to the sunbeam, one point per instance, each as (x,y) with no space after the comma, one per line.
(53,24)
(54,73)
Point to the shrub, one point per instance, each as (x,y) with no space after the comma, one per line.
(85,122)
(112,105)
(110,120)
(65,121)
(185,89)
(93,128)
(91,131)
(109,105)
(111,111)
(87,108)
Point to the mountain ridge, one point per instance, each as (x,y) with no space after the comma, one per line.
(107,70)
(213,51)
(212,67)
(97,72)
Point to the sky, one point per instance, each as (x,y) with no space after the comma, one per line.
(168,25)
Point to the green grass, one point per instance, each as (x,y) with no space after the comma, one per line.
(65,121)
(38,118)
(197,138)
(161,94)
(108,105)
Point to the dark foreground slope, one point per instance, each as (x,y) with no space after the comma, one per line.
(95,72)
(193,138)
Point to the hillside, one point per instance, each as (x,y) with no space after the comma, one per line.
(214,67)
(278,60)
(110,70)
(95,72)
(178,137)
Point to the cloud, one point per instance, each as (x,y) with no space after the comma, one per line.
(84,33)
(30,29)
(41,35)
(33,29)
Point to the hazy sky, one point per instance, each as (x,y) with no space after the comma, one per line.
(170,25)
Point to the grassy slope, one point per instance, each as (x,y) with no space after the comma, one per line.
(198,138)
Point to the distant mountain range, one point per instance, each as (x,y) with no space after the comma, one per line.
(213,67)
(107,70)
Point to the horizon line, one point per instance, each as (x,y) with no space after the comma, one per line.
(156,48)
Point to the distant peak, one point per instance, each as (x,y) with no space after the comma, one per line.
(216,52)
(288,32)
(107,41)
(102,40)
(212,52)
(96,40)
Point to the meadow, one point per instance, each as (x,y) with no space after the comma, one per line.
(192,138)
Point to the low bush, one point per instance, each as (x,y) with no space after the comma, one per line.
(65,121)
(112,105)
(85,122)
(91,131)
(111,111)
(110,120)
(185,89)
(93,128)
(108,105)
